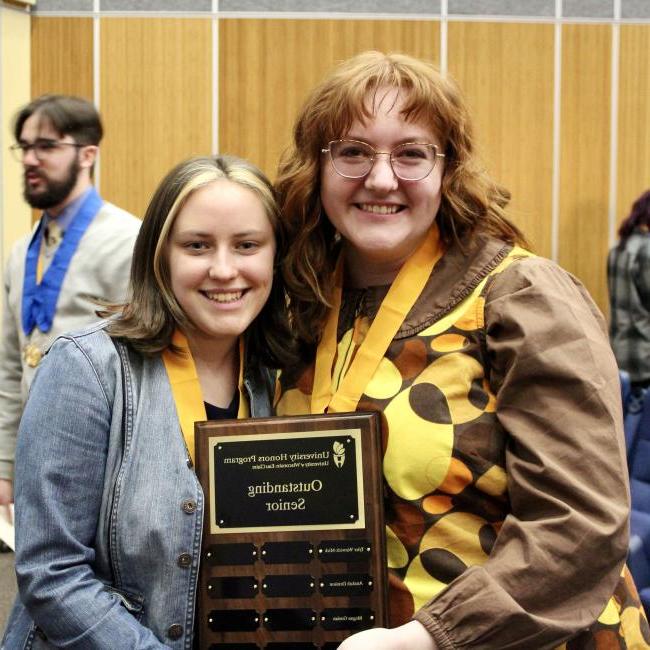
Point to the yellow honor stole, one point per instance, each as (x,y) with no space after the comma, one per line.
(186,389)
(402,295)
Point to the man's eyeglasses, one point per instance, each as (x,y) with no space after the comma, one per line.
(411,161)
(42,148)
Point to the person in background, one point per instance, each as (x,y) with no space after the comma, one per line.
(109,511)
(506,496)
(628,280)
(79,251)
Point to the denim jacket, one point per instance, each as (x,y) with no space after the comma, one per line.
(108,508)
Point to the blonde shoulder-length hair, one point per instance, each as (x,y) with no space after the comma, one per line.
(148,319)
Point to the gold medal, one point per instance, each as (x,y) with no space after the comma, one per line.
(32,355)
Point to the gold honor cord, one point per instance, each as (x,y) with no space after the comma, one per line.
(32,354)
(399,300)
(186,389)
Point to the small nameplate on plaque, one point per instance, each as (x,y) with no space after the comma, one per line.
(288,585)
(233,620)
(227,554)
(233,587)
(350,550)
(287,552)
(290,619)
(347,618)
(345,584)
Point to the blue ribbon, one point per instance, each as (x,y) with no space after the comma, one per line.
(39,300)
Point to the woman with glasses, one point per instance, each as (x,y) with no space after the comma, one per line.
(506,501)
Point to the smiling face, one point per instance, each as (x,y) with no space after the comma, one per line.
(221,250)
(382,218)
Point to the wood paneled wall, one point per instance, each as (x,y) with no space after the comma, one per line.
(267,67)
(585,151)
(157,84)
(633,159)
(70,70)
(511,99)
(156,80)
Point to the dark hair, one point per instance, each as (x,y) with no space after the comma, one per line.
(148,319)
(471,200)
(68,115)
(639,216)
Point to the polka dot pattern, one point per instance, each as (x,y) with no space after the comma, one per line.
(386,382)
(409,472)
(437,504)
(449,343)
(444,464)
(421,583)
(397,554)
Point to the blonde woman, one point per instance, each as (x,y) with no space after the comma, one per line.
(108,508)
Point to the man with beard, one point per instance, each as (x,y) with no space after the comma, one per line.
(78,253)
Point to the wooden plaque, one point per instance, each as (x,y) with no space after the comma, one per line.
(293,553)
